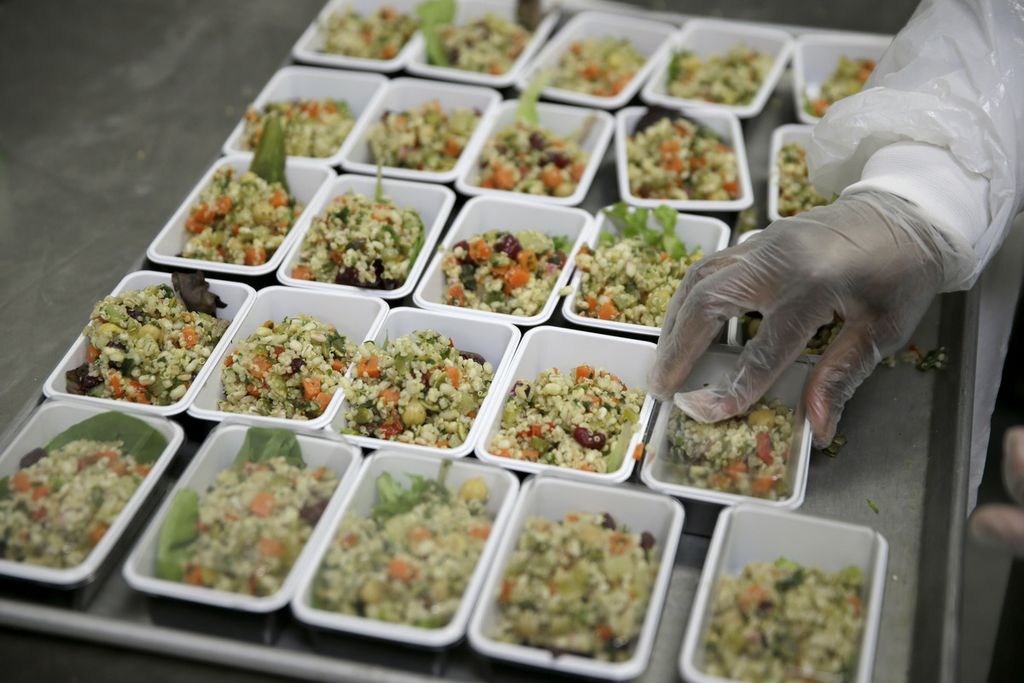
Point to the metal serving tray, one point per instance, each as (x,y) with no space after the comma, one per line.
(908,449)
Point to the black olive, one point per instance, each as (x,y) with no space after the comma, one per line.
(537,140)
(31,458)
(558,159)
(297,364)
(137,314)
(347,276)
(475,357)
(607,521)
(646,540)
(312,512)
(509,245)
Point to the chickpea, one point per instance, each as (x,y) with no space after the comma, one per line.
(414,414)
(473,489)
(762,417)
(151,331)
(372,592)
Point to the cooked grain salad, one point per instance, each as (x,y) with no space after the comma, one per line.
(780,622)
(312,128)
(490,44)
(410,560)
(418,388)
(362,242)
(583,419)
(598,66)
(848,79)
(426,138)
(526,157)
(145,346)
(625,279)
(822,339)
(253,522)
(796,194)
(240,219)
(61,502)
(579,586)
(730,78)
(503,272)
(678,159)
(747,454)
(380,35)
(287,369)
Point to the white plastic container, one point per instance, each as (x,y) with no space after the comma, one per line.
(356,89)
(551,347)
(216,455)
(723,123)
(553,498)
(782,136)
(752,533)
(493,340)
(307,181)
(481,214)
(357,318)
(432,202)
(816,56)
(709,37)
(402,94)
(307,48)
(503,488)
(47,421)
(467,11)
(560,119)
(649,38)
(238,298)
(710,234)
(656,471)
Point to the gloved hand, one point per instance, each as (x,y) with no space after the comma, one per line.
(868,256)
(1001,525)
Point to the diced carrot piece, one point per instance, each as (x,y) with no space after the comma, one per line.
(672,163)
(732,187)
(194,576)
(116,387)
(456,295)
(592,71)
(638,452)
(530,454)
(504,177)
(21,481)
(762,485)
(479,251)
(278,199)
(255,256)
(819,107)
(418,534)
(338,365)
(607,311)
(224,204)
(260,365)
(452,147)
(96,533)
(323,399)
(603,632)
(189,337)
(229,361)
(262,504)
(390,395)
(400,569)
(576,170)
(506,591)
(349,540)
(203,213)
(584,372)
(91,353)
(517,277)
(373,367)
(310,388)
(302,272)
(551,176)
(269,547)
(40,491)
(388,52)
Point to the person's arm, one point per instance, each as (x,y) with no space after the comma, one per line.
(929,158)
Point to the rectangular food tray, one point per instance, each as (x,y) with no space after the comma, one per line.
(897,426)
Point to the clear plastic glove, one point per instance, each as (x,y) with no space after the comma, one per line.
(1000,525)
(868,257)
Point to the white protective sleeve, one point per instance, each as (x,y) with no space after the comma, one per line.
(953,79)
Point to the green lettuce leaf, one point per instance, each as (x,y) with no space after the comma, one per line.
(263,443)
(617,453)
(139,440)
(179,529)
(268,161)
(526,110)
(631,222)
(434,15)
(395,499)
(378,194)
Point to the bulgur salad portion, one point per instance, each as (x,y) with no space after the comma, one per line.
(378,35)
(847,79)
(630,277)
(503,272)
(675,158)
(362,242)
(65,496)
(747,454)
(781,622)
(287,369)
(796,194)
(312,127)
(733,77)
(527,157)
(410,560)
(598,66)
(581,585)
(489,44)
(147,346)
(583,419)
(425,138)
(418,388)
(244,532)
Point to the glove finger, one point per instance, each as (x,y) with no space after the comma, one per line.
(686,336)
(846,363)
(999,526)
(696,273)
(1013,463)
(780,339)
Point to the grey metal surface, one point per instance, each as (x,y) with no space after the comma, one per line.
(906,430)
